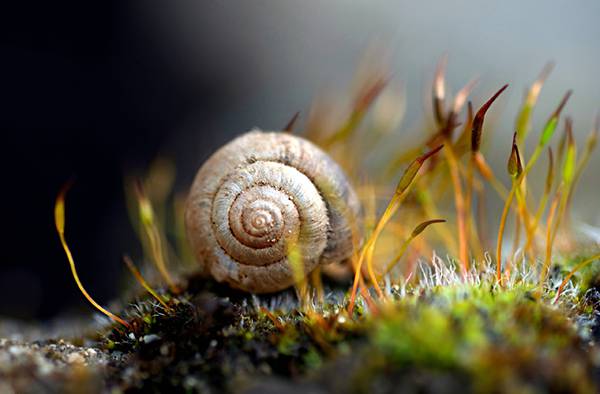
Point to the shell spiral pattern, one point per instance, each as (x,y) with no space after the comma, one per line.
(261,193)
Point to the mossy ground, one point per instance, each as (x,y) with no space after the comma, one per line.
(438,335)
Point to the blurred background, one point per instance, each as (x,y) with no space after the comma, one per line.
(96,91)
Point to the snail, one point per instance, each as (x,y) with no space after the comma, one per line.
(258,196)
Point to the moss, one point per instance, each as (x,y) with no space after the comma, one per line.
(502,339)
(478,337)
(450,337)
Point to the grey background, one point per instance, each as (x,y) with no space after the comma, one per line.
(281,55)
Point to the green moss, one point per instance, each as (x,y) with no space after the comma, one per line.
(477,337)
(503,340)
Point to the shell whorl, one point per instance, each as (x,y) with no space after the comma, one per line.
(261,193)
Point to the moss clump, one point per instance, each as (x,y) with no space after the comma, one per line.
(504,340)
(450,337)
(216,339)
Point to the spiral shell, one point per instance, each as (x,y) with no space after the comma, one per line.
(261,193)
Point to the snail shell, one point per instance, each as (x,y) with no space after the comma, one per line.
(261,193)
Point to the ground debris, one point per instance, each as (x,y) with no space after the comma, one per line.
(50,366)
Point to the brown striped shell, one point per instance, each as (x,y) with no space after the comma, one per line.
(262,194)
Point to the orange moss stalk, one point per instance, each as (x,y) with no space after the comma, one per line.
(590,145)
(570,275)
(515,169)
(482,224)
(430,209)
(363,100)
(367,251)
(59,221)
(568,174)
(543,201)
(545,137)
(316,282)
(459,203)
(415,233)
(486,172)
(276,322)
(445,134)
(522,129)
(477,160)
(138,276)
(549,238)
(157,251)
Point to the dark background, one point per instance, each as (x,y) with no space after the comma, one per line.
(84,94)
(94,91)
